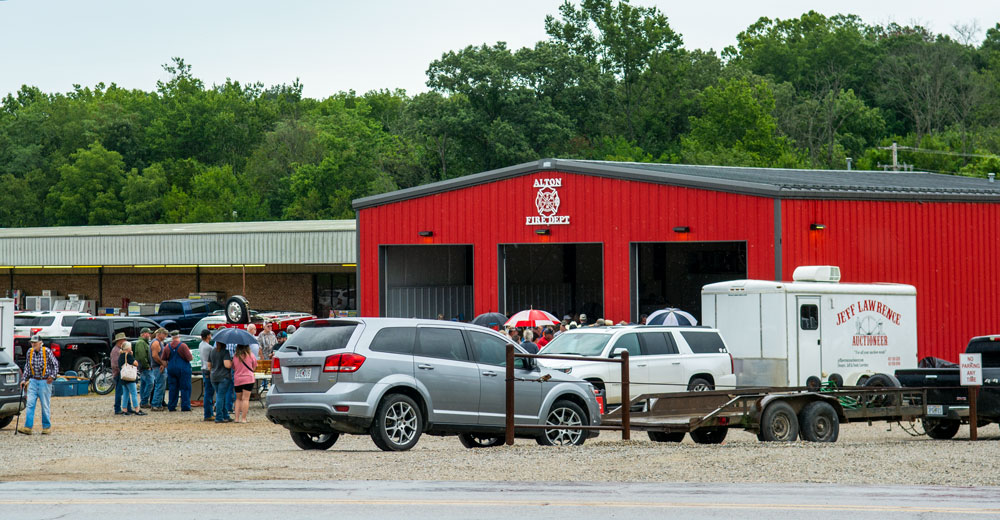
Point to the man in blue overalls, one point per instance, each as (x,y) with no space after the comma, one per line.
(178,357)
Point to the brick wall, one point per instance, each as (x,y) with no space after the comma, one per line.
(265,291)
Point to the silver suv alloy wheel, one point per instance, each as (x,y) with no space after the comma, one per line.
(562,415)
(400,423)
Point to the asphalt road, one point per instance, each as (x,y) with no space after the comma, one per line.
(141,500)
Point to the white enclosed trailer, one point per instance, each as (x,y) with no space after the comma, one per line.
(782,333)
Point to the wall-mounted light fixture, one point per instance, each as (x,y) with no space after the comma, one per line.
(817,227)
(682,229)
(426,234)
(543,232)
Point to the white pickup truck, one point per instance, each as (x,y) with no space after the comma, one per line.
(661,359)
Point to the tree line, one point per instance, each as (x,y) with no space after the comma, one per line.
(613,81)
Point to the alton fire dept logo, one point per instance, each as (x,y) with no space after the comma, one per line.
(547,204)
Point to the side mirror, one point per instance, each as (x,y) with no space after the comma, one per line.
(617,352)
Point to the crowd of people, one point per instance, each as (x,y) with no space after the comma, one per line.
(534,339)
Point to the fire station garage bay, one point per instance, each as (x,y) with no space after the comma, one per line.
(616,240)
(306,266)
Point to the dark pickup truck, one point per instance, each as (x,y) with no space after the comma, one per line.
(182,315)
(89,339)
(948,401)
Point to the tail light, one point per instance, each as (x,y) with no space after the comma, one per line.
(600,400)
(275,366)
(343,363)
(55,349)
(35,330)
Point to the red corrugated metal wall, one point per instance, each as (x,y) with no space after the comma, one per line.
(610,211)
(948,251)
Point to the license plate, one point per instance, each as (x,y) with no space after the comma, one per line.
(10,379)
(303,373)
(935,409)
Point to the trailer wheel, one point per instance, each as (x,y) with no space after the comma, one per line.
(709,435)
(882,381)
(666,436)
(941,429)
(818,422)
(813,383)
(779,423)
(837,380)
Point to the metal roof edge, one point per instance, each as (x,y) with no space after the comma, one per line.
(205,228)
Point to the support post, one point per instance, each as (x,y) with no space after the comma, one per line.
(509,401)
(973,415)
(626,398)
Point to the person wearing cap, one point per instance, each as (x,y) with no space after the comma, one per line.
(40,369)
(178,357)
(205,349)
(116,351)
(547,336)
(159,369)
(141,352)
(583,320)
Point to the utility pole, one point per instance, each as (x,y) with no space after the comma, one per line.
(895,166)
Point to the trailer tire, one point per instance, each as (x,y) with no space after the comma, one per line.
(837,380)
(813,383)
(941,429)
(709,435)
(818,422)
(779,423)
(882,381)
(666,436)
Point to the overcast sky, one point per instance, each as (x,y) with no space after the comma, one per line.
(339,45)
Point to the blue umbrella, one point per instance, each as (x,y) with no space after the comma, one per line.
(233,336)
(671,316)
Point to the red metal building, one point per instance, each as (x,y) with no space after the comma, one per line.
(614,240)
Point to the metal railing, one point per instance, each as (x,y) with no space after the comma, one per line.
(510,427)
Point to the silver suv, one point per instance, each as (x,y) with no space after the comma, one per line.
(395,379)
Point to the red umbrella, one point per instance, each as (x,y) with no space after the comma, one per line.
(531,318)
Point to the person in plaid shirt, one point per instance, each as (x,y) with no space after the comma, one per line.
(40,369)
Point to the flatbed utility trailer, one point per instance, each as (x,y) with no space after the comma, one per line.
(774,413)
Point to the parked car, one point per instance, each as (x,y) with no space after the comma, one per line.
(947,401)
(395,379)
(10,391)
(285,319)
(182,315)
(661,359)
(90,339)
(46,324)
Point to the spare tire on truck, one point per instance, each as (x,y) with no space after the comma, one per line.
(237,310)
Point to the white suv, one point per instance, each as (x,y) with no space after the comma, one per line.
(46,324)
(661,359)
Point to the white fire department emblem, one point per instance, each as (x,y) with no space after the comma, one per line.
(547,202)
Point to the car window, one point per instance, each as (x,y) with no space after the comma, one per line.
(395,340)
(90,327)
(489,349)
(578,344)
(321,335)
(630,342)
(704,342)
(126,326)
(442,343)
(199,307)
(213,306)
(658,343)
(170,308)
(68,321)
(24,321)
(45,321)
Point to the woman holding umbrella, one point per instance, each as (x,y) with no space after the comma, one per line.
(243,377)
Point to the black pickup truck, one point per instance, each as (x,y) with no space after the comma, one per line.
(948,401)
(89,339)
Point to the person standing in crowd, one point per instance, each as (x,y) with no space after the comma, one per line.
(116,351)
(583,320)
(141,352)
(220,366)
(563,327)
(244,364)
(255,347)
(546,338)
(267,340)
(129,394)
(205,353)
(159,368)
(529,346)
(178,357)
(642,319)
(515,336)
(282,338)
(40,369)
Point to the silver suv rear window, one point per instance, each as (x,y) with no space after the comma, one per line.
(704,342)
(316,336)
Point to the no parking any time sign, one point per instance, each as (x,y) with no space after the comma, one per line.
(971,369)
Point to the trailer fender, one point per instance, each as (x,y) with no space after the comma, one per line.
(799,401)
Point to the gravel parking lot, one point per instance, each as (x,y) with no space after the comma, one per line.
(90,443)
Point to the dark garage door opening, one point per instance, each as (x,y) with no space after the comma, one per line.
(426,281)
(671,274)
(558,278)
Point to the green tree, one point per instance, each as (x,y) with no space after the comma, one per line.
(87,192)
